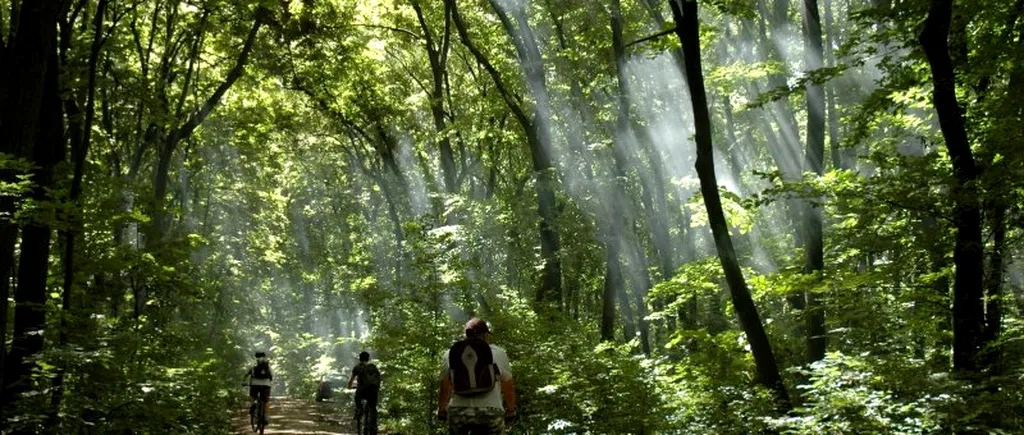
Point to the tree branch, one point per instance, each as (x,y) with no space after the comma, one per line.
(499,83)
(200,115)
(648,38)
(393,29)
(193,58)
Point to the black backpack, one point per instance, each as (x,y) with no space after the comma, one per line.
(472,368)
(261,371)
(369,376)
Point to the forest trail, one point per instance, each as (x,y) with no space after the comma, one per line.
(300,416)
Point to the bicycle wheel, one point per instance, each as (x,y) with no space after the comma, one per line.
(253,418)
(371,421)
(363,423)
(261,417)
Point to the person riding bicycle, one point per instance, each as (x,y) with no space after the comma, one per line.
(260,378)
(367,378)
(480,376)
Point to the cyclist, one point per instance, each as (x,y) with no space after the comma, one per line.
(367,378)
(480,376)
(260,377)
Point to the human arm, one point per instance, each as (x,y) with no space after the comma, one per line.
(444,396)
(508,390)
(351,378)
(508,386)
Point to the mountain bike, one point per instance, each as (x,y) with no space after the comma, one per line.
(258,417)
(366,424)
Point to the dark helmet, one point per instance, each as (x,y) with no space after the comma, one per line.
(364,356)
(260,355)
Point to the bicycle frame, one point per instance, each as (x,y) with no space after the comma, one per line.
(259,418)
(367,422)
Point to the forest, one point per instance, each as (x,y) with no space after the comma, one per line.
(678,216)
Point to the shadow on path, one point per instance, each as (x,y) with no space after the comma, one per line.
(298,416)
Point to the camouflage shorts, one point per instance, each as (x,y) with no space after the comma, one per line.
(476,421)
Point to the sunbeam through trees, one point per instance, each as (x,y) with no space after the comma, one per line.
(675,216)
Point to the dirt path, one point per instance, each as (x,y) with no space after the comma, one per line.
(299,417)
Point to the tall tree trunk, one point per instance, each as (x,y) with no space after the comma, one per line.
(968,288)
(786,152)
(939,291)
(172,138)
(166,142)
(611,276)
(814,160)
(622,151)
(687,29)
(628,318)
(8,238)
(732,151)
(659,224)
(437,54)
(997,210)
(994,288)
(838,157)
(33,267)
(32,40)
(654,9)
(642,288)
(80,135)
(538,137)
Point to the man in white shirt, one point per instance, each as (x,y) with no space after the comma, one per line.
(472,391)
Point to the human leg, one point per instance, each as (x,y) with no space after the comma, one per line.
(358,403)
(372,398)
(254,394)
(266,402)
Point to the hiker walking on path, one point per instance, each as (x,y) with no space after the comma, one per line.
(475,377)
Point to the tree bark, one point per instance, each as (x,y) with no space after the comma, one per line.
(994,288)
(608,304)
(8,238)
(732,151)
(677,55)
(33,267)
(391,204)
(787,154)
(578,157)
(659,225)
(814,160)
(968,289)
(538,137)
(837,154)
(623,145)
(687,29)
(80,138)
(167,142)
(996,209)
(32,40)
(437,54)
(175,135)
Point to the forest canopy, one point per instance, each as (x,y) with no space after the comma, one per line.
(678,216)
